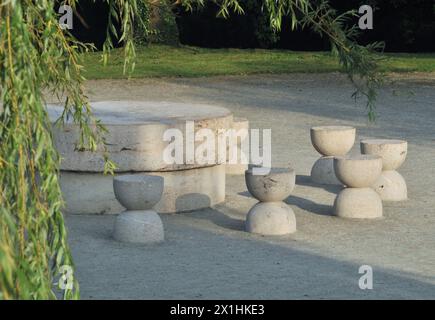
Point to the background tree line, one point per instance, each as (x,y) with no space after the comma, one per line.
(404,26)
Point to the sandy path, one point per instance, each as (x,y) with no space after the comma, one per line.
(207,255)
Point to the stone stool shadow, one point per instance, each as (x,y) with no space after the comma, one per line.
(310,206)
(218,218)
(304,180)
(201,201)
(208,213)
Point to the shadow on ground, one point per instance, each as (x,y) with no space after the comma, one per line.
(198,264)
(305,180)
(306,204)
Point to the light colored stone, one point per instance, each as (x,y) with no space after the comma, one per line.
(88,193)
(277,185)
(359,171)
(135,134)
(391,186)
(392,152)
(271,218)
(239,168)
(333,140)
(137,191)
(358,203)
(330,141)
(184,190)
(323,171)
(192,189)
(142,227)
(358,200)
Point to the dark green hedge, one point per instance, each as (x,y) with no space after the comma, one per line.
(404,25)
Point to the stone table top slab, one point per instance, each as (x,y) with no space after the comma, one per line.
(135,134)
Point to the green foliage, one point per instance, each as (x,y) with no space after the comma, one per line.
(413,22)
(36,54)
(184,61)
(123,12)
(165,27)
(359,62)
(157,23)
(142,28)
(263,30)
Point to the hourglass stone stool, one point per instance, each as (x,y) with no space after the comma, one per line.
(391,186)
(330,141)
(271,216)
(358,200)
(138,194)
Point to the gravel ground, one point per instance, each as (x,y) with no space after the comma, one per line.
(208,255)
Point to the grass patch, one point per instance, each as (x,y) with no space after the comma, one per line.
(165,61)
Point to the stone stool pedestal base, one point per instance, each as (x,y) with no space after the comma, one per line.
(271,218)
(391,186)
(358,203)
(139,226)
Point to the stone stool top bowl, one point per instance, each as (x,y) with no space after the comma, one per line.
(137,191)
(333,140)
(359,171)
(393,152)
(276,185)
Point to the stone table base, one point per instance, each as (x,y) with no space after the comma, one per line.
(184,190)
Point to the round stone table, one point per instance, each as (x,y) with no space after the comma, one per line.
(135,142)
